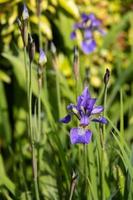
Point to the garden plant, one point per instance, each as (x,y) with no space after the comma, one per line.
(66,100)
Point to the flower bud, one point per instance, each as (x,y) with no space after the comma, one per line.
(42,58)
(25,33)
(25,14)
(53,48)
(106,76)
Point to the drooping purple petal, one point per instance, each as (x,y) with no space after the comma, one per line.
(66,119)
(70,106)
(80,135)
(88,46)
(97,109)
(102,120)
(84,121)
(73,35)
(79,25)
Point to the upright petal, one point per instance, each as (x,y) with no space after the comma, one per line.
(88,46)
(79,101)
(80,135)
(84,121)
(90,104)
(66,119)
(97,109)
(86,93)
(84,17)
(102,120)
(92,16)
(87,34)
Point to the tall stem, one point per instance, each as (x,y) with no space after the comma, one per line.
(85,168)
(26,72)
(103,134)
(33,149)
(58,93)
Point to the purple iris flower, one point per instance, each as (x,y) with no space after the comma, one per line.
(84,110)
(88,25)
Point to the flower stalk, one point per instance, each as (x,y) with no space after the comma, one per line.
(55,65)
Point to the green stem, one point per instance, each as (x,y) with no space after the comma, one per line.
(103,134)
(58,93)
(121,114)
(39,128)
(33,149)
(71,194)
(39,114)
(26,73)
(104,112)
(102,173)
(34,168)
(85,168)
(30,100)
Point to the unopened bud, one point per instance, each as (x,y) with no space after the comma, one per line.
(31,46)
(25,13)
(76,62)
(42,58)
(53,48)
(106,76)
(24,33)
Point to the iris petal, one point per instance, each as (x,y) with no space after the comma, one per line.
(73,35)
(102,120)
(84,121)
(87,34)
(84,17)
(88,46)
(66,119)
(97,109)
(86,93)
(90,104)
(80,135)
